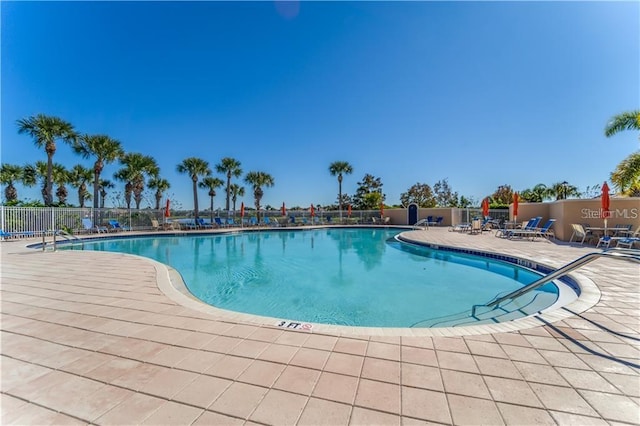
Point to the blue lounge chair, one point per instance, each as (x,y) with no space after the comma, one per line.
(231,222)
(219,222)
(292,220)
(203,224)
(115,226)
(4,235)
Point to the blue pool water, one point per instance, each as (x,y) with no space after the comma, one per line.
(343,276)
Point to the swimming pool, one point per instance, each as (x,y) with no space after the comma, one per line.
(342,276)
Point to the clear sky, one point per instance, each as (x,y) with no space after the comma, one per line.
(481,93)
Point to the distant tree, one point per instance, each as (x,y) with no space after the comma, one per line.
(236,191)
(466,202)
(136,168)
(592,191)
(79,176)
(230,167)
(9,175)
(340,168)
(564,190)
(160,186)
(105,150)
(421,194)
(45,130)
(211,183)
(257,180)
(369,184)
(503,196)
(624,121)
(445,197)
(537,194)
(104,185)
(626,177)
(194,167)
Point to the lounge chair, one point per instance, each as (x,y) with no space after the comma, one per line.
(476,226)
(534,231)
(231,222)
(114,226)
(292,220)
(89,227)
(206,225)
(460,227)
(4,235)
(219,223)
(628,242)
(422,222)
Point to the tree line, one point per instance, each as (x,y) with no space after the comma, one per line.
(139,171)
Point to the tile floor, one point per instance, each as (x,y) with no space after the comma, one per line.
(89,338)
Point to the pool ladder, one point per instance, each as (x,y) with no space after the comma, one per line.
(630,255)
(64,234)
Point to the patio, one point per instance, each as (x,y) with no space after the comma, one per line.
(89,337)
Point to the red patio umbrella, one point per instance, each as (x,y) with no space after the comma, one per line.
(242,209)
(284,209)
(516,199)
(605,213)
(312,210)
(485,207)
(349,210)
(167,212)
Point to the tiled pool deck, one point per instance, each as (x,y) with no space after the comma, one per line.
(89,338)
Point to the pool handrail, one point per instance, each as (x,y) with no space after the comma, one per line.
(631,255)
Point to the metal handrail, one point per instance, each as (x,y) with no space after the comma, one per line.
(64,234)
(631,255)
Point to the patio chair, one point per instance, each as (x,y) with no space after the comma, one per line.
(628,242)
(292,220)
(206,225)
(114,226)
(219,223)
(155,225)
(4,235)
(88,226)
(580,233)
(231,222)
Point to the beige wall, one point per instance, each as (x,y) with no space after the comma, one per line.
(624,211)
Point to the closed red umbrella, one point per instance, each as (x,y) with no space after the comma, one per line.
(167,212)
(605,213)
(516,199)
(485,207)
(312,210)
(242,209)
(381,209)
(349,210)
(284,209)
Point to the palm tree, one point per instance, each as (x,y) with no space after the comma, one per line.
(236,190)
(563,190)
(258,180)
(194,167)
(78,178)
(338,168)
(45,130)
(230,167)
(161,186)
(9,174)
(211,183)
(136,168)
(60,177)
(104,185)
(625,121)
(105,150)
(626,176)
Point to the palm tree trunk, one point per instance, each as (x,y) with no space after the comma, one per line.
(195,199)
(48,195)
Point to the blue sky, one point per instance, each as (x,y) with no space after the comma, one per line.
(481,93)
